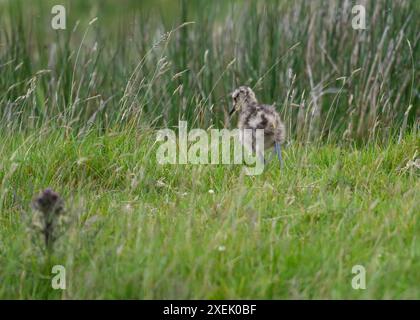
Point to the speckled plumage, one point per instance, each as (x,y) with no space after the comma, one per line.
(253,115)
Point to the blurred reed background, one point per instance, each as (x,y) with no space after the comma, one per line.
(149,64)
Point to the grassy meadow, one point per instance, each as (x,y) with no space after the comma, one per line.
(79,111)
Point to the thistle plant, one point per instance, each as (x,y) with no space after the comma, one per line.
(47,220)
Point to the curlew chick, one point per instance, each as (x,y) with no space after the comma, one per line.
(253,115)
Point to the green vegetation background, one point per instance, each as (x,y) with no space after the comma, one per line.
(79,109)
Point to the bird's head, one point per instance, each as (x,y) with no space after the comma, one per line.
(242,97)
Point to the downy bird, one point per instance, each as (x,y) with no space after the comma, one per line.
(253,115)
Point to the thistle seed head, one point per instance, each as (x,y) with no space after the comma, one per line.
(49,202)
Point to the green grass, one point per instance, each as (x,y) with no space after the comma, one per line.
(181,59)
(144,230)
(79,109)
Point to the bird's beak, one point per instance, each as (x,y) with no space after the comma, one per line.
(232,111)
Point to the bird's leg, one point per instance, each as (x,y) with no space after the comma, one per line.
(277,148)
